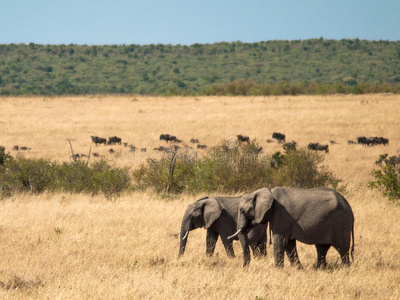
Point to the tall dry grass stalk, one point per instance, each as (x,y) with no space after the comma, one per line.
(67,246)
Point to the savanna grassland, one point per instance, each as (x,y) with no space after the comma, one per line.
(75,246)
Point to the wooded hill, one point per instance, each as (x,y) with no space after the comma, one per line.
(314,66)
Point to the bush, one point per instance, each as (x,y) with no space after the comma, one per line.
(3,156)
(229,168)
(301,169)
(233,167)
(387,178)
(39,175)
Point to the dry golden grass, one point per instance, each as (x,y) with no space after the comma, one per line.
(67,246)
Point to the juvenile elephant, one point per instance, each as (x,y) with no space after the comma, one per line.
(218,216)
(318,216)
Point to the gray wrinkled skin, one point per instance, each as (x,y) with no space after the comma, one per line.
(218,216)
(318,216)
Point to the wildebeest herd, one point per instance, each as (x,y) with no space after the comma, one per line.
(279,137)
(17,148)
(169,138)
(372,141)
(111,140)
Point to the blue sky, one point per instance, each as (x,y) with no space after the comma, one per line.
(98,22)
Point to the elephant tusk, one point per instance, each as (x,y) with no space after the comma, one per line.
(187,232)
(233,235)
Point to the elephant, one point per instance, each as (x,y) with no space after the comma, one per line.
(318,216)
(218,215)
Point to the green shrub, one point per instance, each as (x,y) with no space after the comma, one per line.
(24,174)
(233,167)
(3,156)
(39,175)
(227,168)
(387,177)
(301,169)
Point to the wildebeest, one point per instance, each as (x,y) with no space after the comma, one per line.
(372,141)
(16,147)
(318,147)
(95,154)
(114,140)
(143,149)
(111,150)
(280,137)
(243,138)
(350,142)
(364,140)
(161,148)
(201,146)
(168,138)
(382,141)
(194,141)
(98,140)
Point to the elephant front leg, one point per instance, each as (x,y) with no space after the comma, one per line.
(211,241)
(291,252)
(279,254)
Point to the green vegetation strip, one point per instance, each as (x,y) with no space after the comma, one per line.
(314,66)
(223,169)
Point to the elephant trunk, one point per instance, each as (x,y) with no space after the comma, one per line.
(241,225)
(242,221)
(183,237)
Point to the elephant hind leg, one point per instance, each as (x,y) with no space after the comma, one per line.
(228,247)
(259,249)
(344,255)
(291,252)
(321,252)
(262,249)
(343,247)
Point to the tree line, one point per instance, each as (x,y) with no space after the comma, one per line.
(313,66)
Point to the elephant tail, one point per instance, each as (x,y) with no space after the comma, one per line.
(270,234)
(352,245)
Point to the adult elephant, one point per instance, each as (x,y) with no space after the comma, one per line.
(218,215)
(319,216)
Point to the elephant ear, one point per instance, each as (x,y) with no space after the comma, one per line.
(211,211)
(263,200)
